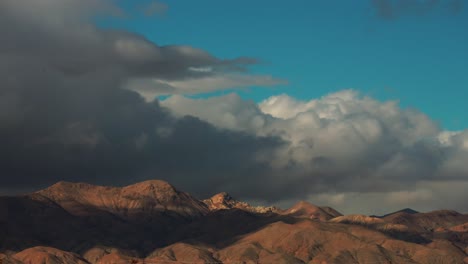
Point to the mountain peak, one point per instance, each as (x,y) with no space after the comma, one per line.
(148,196)
(62,185)
(152,184)
(402,211)
(223,200)
(302,204)
(305,209)
(152,188)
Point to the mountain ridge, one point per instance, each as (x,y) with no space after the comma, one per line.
(153,222)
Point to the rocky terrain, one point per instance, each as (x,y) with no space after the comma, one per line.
(153,222)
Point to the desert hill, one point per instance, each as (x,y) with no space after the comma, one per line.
(153,222)
(423,222)
(405,210)
(305,209)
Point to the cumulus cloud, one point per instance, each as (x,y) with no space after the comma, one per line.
(341,145)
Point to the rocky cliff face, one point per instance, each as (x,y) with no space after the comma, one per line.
(153,222)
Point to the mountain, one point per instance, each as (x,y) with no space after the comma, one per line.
(153,222)
(305,209)
(427,222)
(127,217)
(46,255)
(142,198)
(223,201)
(402,211)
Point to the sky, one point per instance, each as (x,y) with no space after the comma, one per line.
(355,105)
(413,51)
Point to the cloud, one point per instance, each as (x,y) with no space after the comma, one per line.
(409,197)
(392,9)
(69,111)
(58,36)
(65,112)
(341,145)
(150,88)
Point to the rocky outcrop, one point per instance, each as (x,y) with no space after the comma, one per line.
(223,201)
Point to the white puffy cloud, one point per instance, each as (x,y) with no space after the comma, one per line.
(343,146)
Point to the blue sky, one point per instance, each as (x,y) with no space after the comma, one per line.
(419,58)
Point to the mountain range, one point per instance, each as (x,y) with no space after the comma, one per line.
(153,222)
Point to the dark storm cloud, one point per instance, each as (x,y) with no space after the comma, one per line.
(391,9)
(59,35)
(65,116)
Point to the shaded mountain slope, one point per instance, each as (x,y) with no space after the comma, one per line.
(405,210)
(427,222)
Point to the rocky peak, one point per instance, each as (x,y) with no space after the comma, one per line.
(223,200)
(222,197)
